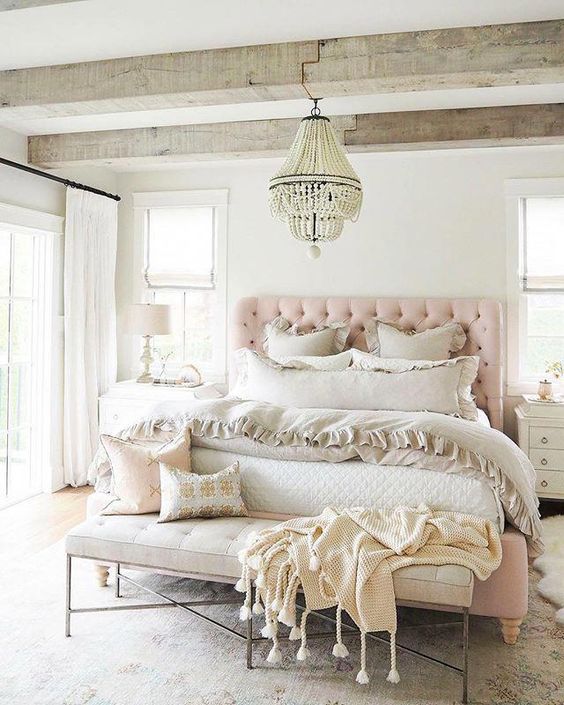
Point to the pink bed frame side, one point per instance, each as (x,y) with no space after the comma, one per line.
(505,594)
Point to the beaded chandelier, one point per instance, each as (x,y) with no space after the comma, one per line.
(316,189)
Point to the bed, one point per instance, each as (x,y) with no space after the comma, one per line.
(278,485)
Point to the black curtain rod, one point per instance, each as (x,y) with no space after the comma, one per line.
(58,179)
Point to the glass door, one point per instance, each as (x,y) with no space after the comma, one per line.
(20,255)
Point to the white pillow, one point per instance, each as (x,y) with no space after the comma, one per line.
(340,361)
(387,340)
(396,385)
(466,365)
(283,340)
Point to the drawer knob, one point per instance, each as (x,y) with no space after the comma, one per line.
(116,417)
(544,439)
(544,483)
(544,461)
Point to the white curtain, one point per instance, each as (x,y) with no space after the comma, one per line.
(90,323)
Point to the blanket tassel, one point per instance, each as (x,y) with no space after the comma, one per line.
(274,655)
(245,611)
(270,630)
(295,633)
(339,649)
(287,614)
(362,675)
(314,562)
(303,651)
(257,607)
(241,584)
(393,675)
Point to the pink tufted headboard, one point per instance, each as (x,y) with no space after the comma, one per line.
(480,318)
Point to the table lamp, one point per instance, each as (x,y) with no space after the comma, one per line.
(148,320)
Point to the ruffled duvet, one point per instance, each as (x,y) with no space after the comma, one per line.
(435,441)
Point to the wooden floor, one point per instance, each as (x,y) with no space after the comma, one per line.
(34,524)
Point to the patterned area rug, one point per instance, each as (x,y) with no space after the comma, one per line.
(164,656)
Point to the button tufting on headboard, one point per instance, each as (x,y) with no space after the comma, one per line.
(480,318)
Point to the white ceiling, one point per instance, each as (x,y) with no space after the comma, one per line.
(98,29)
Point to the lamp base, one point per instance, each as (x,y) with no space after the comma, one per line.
(146,361)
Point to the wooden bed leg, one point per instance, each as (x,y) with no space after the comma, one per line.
(510,629)
(102,572)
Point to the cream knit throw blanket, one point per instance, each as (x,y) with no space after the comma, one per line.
(346,559)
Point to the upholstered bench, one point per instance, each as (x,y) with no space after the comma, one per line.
(207,549)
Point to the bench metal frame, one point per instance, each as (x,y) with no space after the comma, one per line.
(248,635)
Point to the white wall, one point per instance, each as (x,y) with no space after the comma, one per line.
(432,224)
(22,189)
(28,191)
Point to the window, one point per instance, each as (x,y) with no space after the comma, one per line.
(26,323)
(535,279)
(184,247)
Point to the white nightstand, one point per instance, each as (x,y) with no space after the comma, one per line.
(126,402)
(540,426)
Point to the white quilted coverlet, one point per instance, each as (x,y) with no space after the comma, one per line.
(306,488)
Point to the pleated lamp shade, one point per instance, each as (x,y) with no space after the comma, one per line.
(149,319)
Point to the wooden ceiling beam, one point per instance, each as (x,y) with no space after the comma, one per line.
(494,55)
(460,57)
(251,74)
(508,125)
(376,132)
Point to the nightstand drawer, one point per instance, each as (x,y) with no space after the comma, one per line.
(546,437)
(119,414)
(547,459)
(550,483)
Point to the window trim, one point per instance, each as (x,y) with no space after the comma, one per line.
(515,191)
(19,219)
(218,199)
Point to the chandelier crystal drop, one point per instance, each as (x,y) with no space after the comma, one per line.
(316,189)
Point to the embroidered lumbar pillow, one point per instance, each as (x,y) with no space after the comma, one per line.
(136,477)
(186,495)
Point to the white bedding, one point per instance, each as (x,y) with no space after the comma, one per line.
(298,461)
(306,488)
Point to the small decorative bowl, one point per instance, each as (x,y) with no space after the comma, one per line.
(189,376)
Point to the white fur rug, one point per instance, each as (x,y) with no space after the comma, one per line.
(551,565)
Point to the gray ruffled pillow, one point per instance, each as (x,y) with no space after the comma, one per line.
(386,339)
(284,340)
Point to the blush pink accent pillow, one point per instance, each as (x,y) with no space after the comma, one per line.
(136,472)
